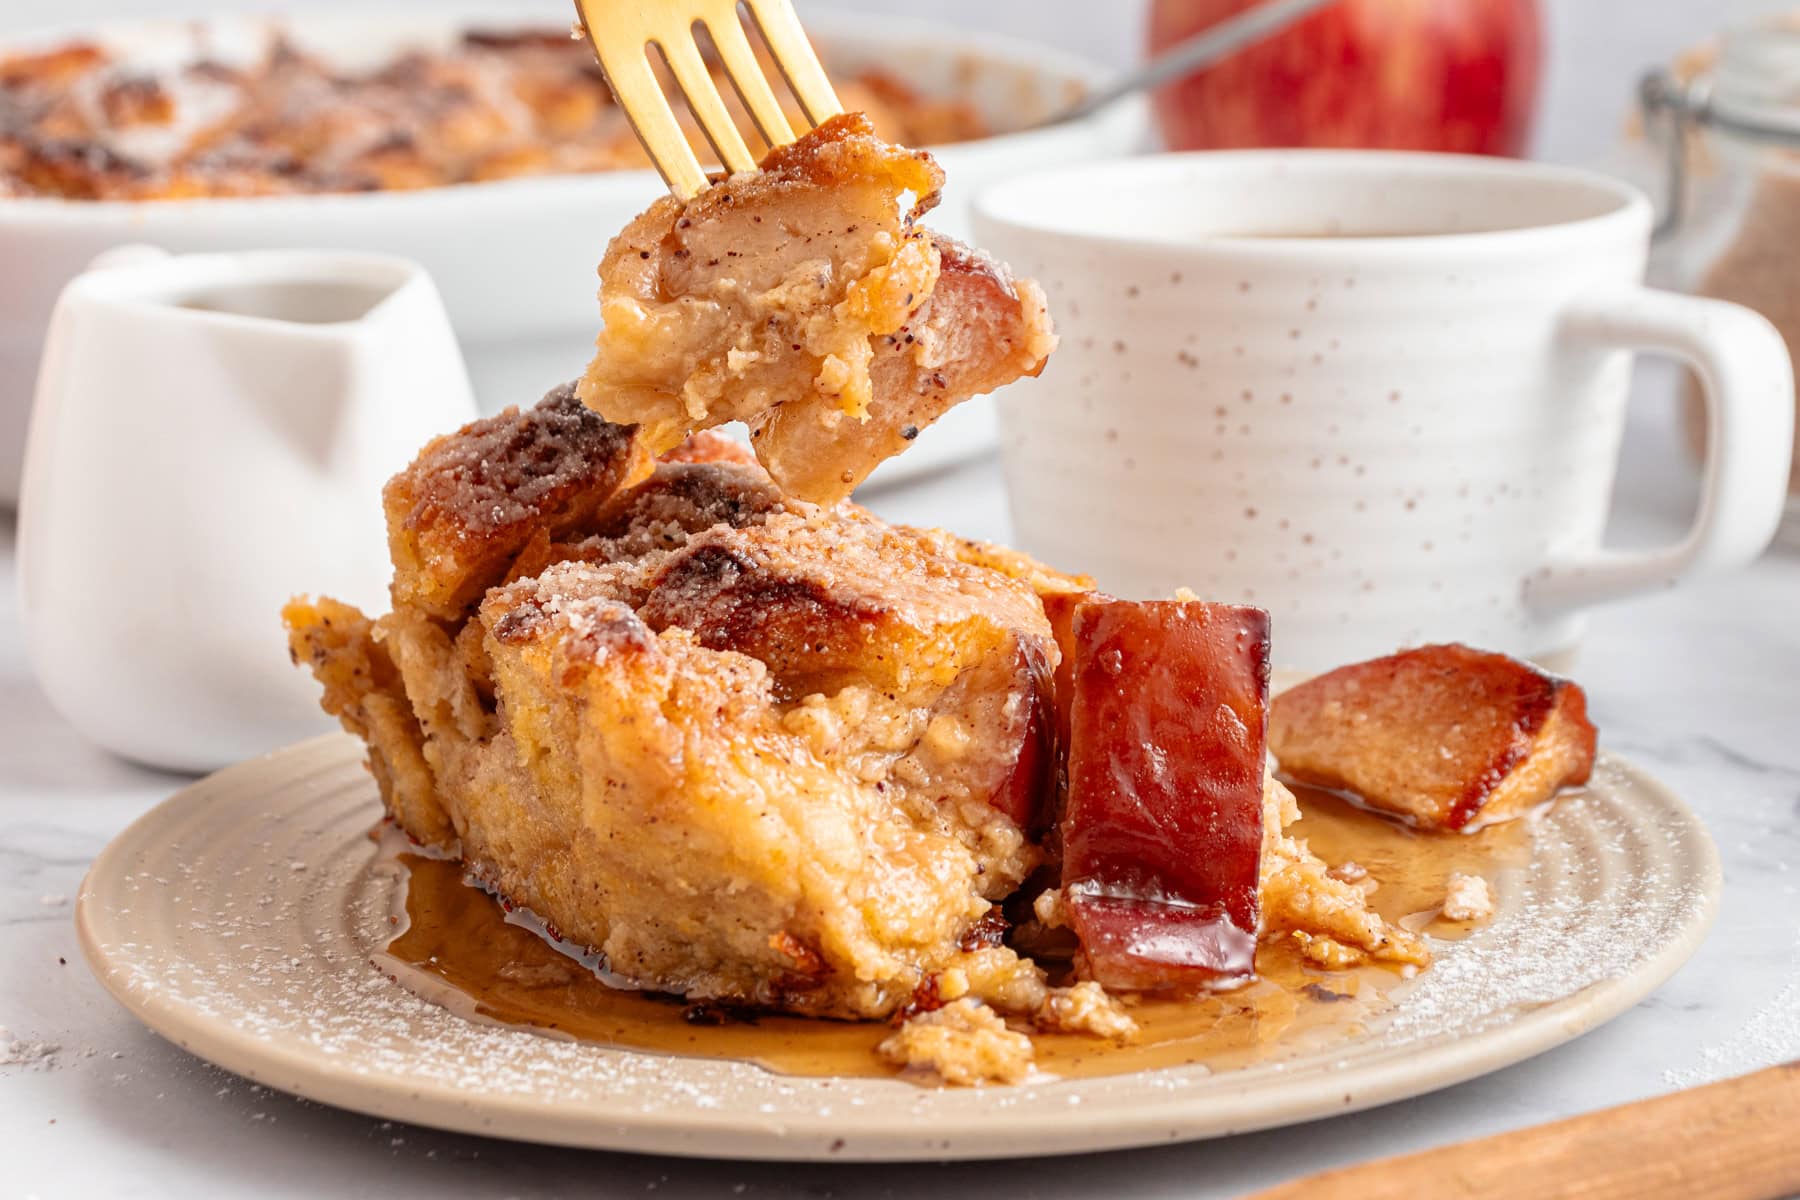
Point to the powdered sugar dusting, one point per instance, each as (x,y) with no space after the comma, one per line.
(206,931)
(1771,1035)
(1566,924)
(26,1052)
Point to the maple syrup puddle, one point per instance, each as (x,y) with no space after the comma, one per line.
(458,949)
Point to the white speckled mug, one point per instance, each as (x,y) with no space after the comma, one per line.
(1381,395)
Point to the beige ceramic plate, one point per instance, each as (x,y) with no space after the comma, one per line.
(239,917)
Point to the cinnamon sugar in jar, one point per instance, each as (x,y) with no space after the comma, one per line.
(1733,131)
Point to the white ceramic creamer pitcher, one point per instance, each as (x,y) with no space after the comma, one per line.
(210,436)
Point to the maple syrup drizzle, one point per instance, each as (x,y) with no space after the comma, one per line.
(458,950)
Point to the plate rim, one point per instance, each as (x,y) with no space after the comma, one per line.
(799,1137)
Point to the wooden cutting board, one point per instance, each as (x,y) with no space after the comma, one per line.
(1734,1140)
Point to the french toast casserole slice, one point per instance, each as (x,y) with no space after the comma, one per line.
(756,749)
(750,749)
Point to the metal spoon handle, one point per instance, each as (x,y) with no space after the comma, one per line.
(1203,49)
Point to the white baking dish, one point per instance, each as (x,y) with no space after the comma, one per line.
(514,259)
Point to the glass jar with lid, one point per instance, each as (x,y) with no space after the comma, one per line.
(1729,121)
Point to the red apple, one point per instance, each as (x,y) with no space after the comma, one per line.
(1456,75)
(1060,608)
(1029,791)
(1162,827)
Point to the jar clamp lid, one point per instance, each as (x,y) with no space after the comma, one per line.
(1752,94)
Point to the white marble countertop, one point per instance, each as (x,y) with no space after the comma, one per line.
(1701,685)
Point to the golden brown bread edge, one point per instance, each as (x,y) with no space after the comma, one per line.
(1445,736)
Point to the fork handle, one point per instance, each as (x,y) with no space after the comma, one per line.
(1734,1140)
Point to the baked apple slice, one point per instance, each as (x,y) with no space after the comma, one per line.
(1060,609)
(1162,829)
(1445,737)
(1029,725)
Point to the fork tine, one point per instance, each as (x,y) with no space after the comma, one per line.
(708,106)
(746,75)
(634,84)
(621,31)
(794,55)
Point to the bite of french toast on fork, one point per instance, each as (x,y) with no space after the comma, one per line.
(806,300)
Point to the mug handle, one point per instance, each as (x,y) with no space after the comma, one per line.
(1747,380)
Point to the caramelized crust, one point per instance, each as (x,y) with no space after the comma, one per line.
(1445,736)
(816,592)
(803,299)
(681,498)
(473,500)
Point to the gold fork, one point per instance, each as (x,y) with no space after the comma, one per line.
(622,31)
